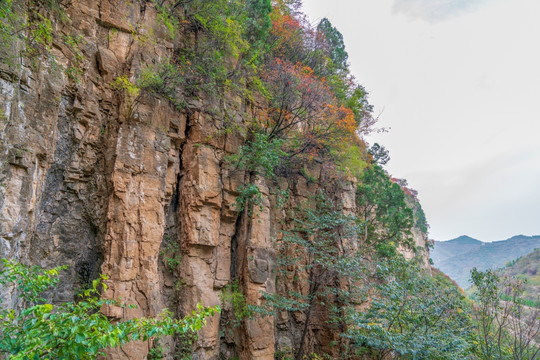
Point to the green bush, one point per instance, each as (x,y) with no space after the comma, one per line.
(171,256)
(506,326)
(73,330)
(260,155)
(315,246)
(33,30)
(233,297)
(250,196)
(387,217)
(411,316)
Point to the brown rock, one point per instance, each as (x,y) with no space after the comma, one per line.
(107,63)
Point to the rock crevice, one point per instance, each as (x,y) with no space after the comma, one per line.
(140,192)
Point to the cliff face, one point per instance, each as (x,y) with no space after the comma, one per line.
(140,193)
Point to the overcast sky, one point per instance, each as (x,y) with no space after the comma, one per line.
(458,83)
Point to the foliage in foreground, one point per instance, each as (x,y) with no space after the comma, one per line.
(323,255)
(412,316)
(73,330)
(507,328)
(417,316)
(526,268)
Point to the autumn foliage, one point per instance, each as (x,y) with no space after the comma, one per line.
(316,106)
(268,53)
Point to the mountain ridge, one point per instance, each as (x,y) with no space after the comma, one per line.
(463,239)
(456,257)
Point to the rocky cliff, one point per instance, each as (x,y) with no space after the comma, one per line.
(140,192)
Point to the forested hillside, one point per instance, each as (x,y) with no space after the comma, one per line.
(458,257)
(526,268)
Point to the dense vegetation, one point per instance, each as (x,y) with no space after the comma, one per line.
(305,106)
(36,329)
(527,269)
(506,327)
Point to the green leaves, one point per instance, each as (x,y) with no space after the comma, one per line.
(74,330)
(250,196)
(413,315)
(257,24)
(171,255)
(260,155)
(388,219)
(336,45)
(232,298)
(315,254)
(29,28)
(506,328)
(31,281)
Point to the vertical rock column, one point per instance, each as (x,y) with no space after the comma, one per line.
(259,277)
(199,214)
(143,180)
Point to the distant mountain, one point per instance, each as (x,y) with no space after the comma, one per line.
(457,257)
(446,249)
(526,267)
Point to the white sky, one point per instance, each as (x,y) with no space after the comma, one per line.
(458,82)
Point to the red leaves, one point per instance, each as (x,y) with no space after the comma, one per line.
(305,109)
(287,32)
(313,114)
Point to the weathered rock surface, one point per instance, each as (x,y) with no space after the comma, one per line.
(90,181)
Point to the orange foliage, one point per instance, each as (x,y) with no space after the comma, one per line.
(286,31)
(343,118)
(305,109)
(299,97)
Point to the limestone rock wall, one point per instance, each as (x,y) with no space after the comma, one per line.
(139,193)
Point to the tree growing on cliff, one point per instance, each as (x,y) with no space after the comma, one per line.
(258,24)
(316,255)
(259,157)
(73,330)
(304,112)
(32,29)
(387,217)
(379,154)
(336,46)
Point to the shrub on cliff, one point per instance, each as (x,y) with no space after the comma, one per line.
(315,255)
(33,30)
(268,53)
(387,217)
(73,330)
